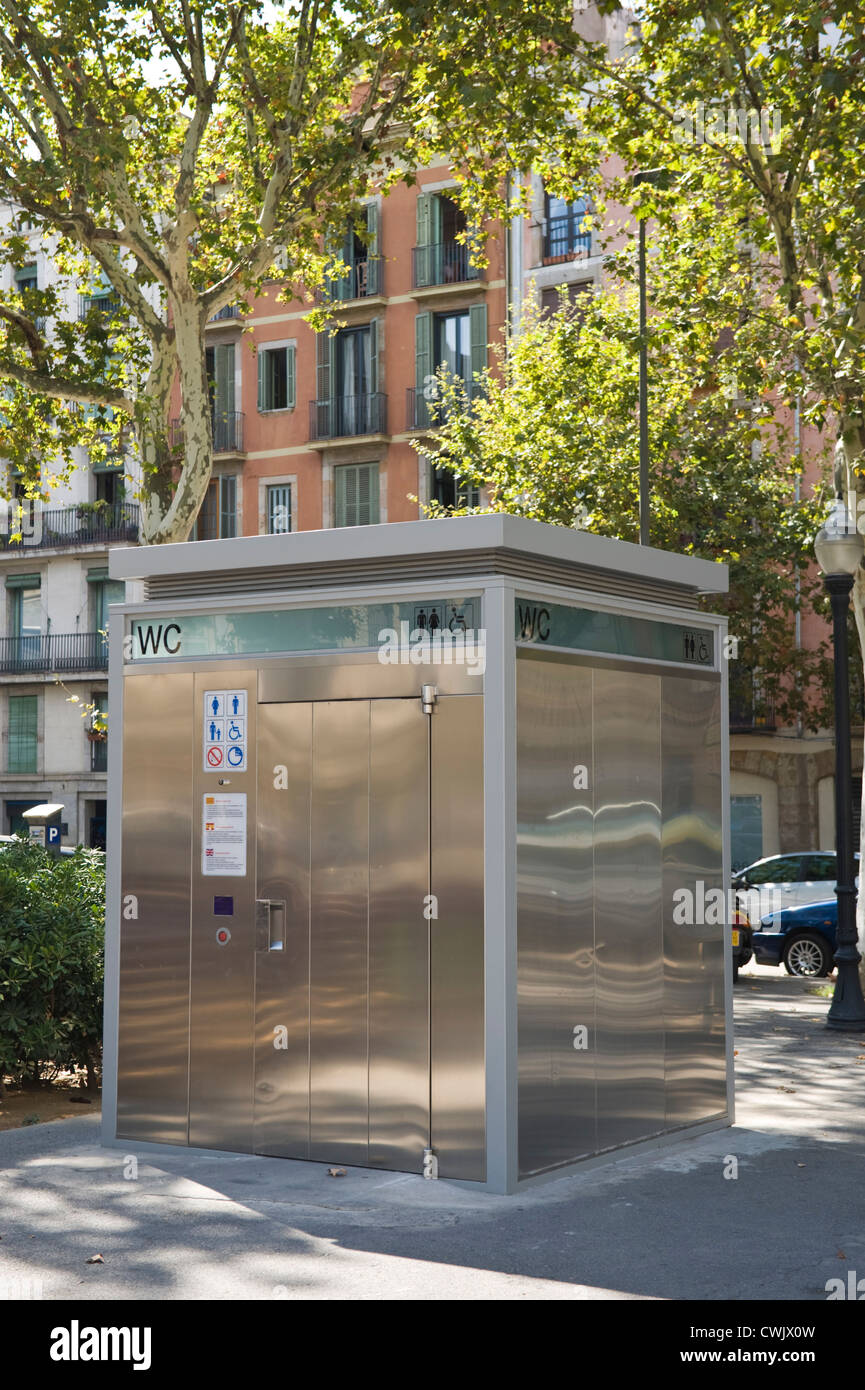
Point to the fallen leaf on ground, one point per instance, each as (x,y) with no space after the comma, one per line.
(336,1172)
(94,1260)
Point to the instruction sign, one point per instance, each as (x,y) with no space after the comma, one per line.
(224,730)
(223,835)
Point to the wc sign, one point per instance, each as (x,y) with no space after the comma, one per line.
(224,731)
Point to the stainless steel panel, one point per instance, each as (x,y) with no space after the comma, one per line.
(628,931)
(154,946)
(398,935)
(694,1020)
(457,937)
(221,998)
(356,675)
(282,976)
(555,922)
(339,947)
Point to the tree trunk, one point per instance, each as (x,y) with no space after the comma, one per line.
(172,503)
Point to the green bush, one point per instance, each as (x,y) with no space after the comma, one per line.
(52,927)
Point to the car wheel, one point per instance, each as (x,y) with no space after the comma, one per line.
(735,970)
(808,955)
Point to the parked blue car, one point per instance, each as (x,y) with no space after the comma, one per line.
(802,938)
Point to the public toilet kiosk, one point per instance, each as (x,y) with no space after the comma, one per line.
(405,822)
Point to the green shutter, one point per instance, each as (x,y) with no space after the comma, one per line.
(262,380)
(373,356)
(423,363)
(291,376)
(478,343)
(22,746)
(424,218)
(223,380)
(356,494)
(324,374)
(372,229)
(23,581)
(370,472)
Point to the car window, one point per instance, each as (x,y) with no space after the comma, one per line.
(783,868)
(820,868)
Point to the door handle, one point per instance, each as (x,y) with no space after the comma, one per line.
(269,924)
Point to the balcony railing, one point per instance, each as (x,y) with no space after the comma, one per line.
(107,304)
(228,311)
(68,651)
(751,710)
(363,279)
(85,524)
(426,412)
(227,428)
(443,263)
(348,415)
(564,241)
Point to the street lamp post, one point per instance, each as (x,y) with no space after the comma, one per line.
(839,549)
(658,178)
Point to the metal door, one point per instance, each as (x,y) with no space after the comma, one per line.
(342,1045)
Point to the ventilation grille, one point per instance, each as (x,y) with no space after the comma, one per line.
(422,569)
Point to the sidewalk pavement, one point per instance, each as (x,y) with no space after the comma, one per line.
(658,1225)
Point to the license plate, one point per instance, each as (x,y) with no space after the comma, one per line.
(735,938)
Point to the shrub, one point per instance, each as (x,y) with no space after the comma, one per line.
(52,925)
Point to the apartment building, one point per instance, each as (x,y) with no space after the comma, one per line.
(53,621)
(316,430)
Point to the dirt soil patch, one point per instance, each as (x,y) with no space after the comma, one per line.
(61,1099)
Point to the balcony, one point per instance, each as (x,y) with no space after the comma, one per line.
(443,263)
(86,524)
(363,280)
(107,304)
(427,413)
(346,417)
(228,311)
(751,710)
(55,653)
(563,241)
(227,427)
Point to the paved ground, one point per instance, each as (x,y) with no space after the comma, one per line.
(663,1226)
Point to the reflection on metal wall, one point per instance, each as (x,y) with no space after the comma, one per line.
(598,863)
(153,1056)
(693,952)
(457,880)
(556,926)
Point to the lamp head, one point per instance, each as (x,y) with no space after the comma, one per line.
(838,544)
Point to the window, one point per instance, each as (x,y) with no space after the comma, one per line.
(358,250)
(551,297)
(278,509)
(99,745)
(220,374)
(567,231)
(27,611)
(217,518)
(22,748)
(109,485)
(439,258)
(356,494)
(27,278)
(785,868)
(103,591)
(449,490)
(459,342)
(820,868)
(276,378)
(746,830)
